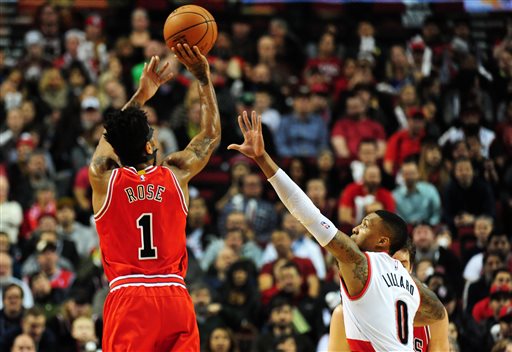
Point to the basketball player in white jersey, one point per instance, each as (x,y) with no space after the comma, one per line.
(426,338)
(380,299)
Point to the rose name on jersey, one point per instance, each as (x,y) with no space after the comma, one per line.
(147,191)
(392,279)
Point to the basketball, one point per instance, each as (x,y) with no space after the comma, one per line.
(193,25)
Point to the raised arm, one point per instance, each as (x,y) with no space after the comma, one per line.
(104,158)
(353,264)
(189,162)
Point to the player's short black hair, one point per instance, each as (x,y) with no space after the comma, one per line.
(397,228)
(127,131)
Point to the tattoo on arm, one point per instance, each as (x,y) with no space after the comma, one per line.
(201,147)
(103,163)
(346,251)
(431,307)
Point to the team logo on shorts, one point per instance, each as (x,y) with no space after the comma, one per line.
(325,225)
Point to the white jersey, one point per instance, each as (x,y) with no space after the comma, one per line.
(381,317)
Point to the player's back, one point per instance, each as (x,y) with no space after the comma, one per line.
(141,227)
(381,317)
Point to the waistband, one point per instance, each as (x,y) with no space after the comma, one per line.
(147,281)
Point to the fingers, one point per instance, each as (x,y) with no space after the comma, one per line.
(253,120)
(234,147)
(242,127)
(258,125)
(246,121)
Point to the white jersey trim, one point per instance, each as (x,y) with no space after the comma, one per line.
(145,277)
(108,197)
(180,192)
(156,284)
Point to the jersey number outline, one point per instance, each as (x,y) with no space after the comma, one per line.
(402,321)
(147,250)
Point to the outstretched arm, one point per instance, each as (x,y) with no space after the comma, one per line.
(353,262)
(104,158)
(189,162)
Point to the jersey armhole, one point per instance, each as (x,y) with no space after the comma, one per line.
(365,287)
(180,191)
(108,196)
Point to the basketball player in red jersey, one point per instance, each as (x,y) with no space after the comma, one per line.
(381,301)
(140,206)
(425,338)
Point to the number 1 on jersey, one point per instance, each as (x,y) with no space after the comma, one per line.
(145,224)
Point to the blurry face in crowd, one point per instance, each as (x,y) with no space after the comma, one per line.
(197,211)
(281,317)
(83,330)
(219,340)
(235,240)
(302,105)
(36,165)
(41,286)
(140,20)
(408,95)
(500,244)
(4,243)
(293,226)
(225,258)
(66,216)
(236,221)
(326,45)
(492,263)
(365,29)
(423,237)
(266,49)
(316,190)
(424,269)
(325,160)
(464,173)
(282,242)
(34,326)
(201,297)
(15,120)
(251,186)
(23,343)
(289,280)
(262,101)
(13,301)
(239,170)
(483,228)
(355,107)
(28,111)
(433,156)
(410,174)
(503,278)
(367,153)
(261,74)
(372,178)
(398,57)
(5,265)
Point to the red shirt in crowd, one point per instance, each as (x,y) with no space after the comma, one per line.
(356,130)
(401,145)
(354,194)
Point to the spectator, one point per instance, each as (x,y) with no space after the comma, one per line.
(46,297)
(36,61)
(316,190)
(478,239)
(466,197)
(501,286)
(239,167)
(282,242)
(329,173)
(470,119)
(432,167)
(33,324)
(280,323)
(199,232)
(140,34)
(263,106)
(6,279)
(83,333)
(359,199)
(355,126)
(480,288)
(301,133)
(416,201)
(302,246)
(73,39)
(443,259)
(83,237)
(23,343)
(221,339)
(405,142)
(12,311)
(12,214)
(259,212)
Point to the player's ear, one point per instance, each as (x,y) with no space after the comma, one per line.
(384,242)
(149,148)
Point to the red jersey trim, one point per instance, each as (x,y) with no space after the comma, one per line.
(147,281)
(158,284)
(142,277)
(360,345)
(108,197)
(365,287)
(148,169)
(180,192)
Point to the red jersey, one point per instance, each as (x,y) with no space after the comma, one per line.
(141,228)
(421,338)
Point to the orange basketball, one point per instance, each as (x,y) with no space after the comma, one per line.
(193,25)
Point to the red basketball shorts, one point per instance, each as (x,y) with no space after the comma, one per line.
(150,319)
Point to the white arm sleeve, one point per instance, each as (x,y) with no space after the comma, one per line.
(302,208)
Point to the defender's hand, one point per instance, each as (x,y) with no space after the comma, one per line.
(253,145)
(194,61)
(153,77)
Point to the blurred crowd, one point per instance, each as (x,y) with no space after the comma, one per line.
(421,126)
